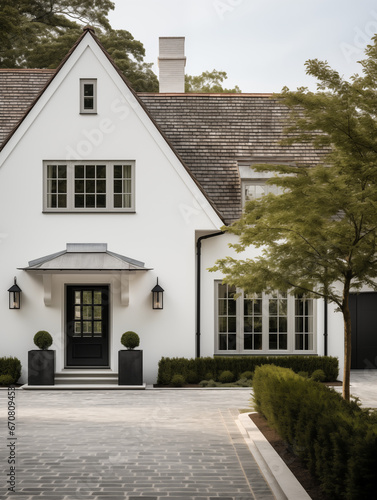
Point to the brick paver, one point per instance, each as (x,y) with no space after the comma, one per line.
(150,445)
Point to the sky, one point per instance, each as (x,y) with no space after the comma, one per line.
(261,44)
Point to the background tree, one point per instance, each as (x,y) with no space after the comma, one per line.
(208,81)
(39,33)
(319,236)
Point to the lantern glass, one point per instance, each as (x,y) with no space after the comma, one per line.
(157,300)
(14,300)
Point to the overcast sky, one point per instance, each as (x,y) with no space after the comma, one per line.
(261,44)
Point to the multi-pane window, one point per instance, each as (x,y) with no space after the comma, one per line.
(88,315)
(89,186)
(252,190)
(278,321)
(57,186)
(303,323)
(122,186)
(88,96)
(252,322)
(269,323)
(227,318)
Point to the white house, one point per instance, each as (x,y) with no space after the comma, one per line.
(103,192)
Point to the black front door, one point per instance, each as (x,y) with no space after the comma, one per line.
(87,326)
(363,308)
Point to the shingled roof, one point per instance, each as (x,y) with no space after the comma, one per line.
(18,90)
(211,133)
(214,132)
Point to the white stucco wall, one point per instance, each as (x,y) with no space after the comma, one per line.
(161,233)
(217,248)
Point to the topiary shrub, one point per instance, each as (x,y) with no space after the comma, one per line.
(6,380)
(42,339)
(226,376)
(178,380)
(130,340)
(248,375)
(318,376)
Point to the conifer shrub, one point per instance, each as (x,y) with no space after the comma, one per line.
(6,380)
(337,440)
(178,380)
(248,375)
(226,377)
(12,367)
(210,367)
(318,376)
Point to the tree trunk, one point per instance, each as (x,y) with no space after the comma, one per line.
(347,341)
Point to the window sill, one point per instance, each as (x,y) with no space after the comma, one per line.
(89,211)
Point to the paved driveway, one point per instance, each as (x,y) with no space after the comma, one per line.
(153,444)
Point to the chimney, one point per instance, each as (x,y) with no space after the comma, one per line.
(172,62)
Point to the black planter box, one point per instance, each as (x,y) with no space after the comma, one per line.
(41,367)
(130,367)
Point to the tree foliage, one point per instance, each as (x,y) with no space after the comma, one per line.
(39,33)
(209,82)
(319,236)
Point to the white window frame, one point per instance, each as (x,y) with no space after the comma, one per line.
(84,110)
(70,208)
(291,333)
(251,177)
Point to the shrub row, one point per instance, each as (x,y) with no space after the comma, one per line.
(195,370)
(10,370)
(337,440)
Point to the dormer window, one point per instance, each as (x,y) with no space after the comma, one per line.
(254,184)
(88,96)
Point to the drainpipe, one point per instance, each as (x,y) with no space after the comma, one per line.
(325,326)
(198,286)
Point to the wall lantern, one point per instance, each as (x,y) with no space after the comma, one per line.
(14,296)
(157,297)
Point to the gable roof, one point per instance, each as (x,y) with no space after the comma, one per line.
(209,133)
(213,133)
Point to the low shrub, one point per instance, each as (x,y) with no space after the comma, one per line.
(248,375)
(210,367)
(178,380)
(226,377)
(318,376)
(337,440)
(12,367)
(6,380)
(192,377)
(303,374)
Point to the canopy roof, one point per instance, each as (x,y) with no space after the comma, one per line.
(92,257)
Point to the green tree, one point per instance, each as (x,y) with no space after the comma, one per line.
(210,82)
(319,236)
(39,33)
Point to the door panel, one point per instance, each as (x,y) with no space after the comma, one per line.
(363,308)
(87,324)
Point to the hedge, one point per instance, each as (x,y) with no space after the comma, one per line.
(337,440)
(12,367)
(199,368)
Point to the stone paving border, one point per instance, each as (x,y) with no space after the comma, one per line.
(131,445)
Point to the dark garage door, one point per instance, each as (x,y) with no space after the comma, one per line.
(363,309)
